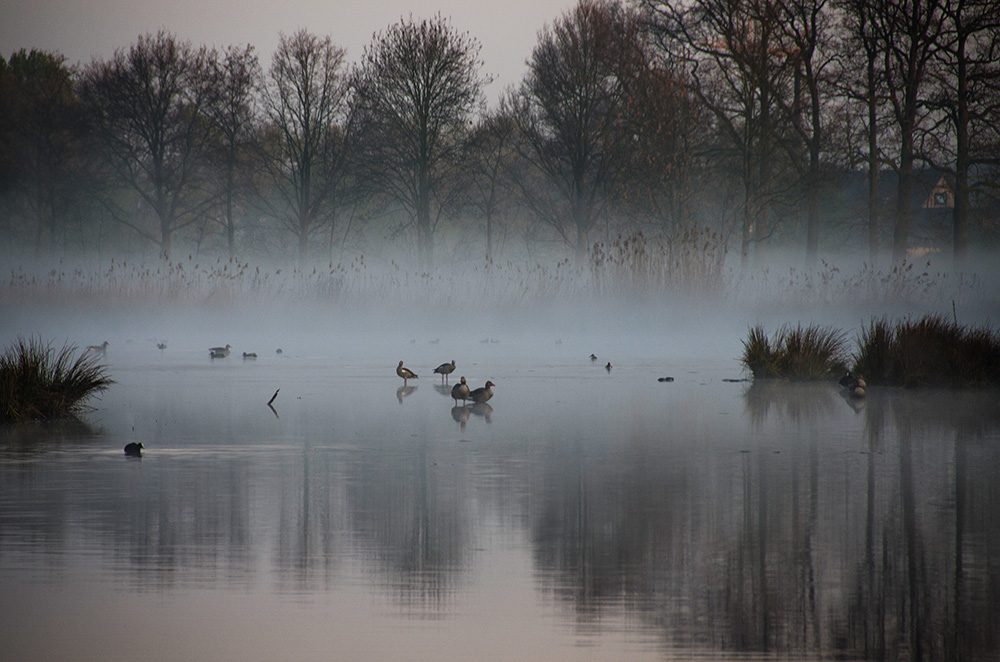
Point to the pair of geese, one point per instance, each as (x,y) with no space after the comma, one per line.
(460,391)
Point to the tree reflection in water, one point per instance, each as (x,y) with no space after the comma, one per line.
(805,528)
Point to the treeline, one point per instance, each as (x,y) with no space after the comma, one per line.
(746,117)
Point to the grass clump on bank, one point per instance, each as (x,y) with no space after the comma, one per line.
(36,382)
(930,351)
(810,352)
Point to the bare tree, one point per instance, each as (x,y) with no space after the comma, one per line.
(487,163)
(909,34)
(741,69)
(863,82)
(236,77)
(963,82)
(303,142)
(570,110)
(414,93)
(807,28)
(148,105)
(43,138)
(668,131)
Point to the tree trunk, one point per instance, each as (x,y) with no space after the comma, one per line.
(489,236)
(960,244)
(166,242)
(812,213)
(582,244)
(303,241)
(873,162)
(904,191)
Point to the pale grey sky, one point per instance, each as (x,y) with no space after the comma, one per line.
(84,29)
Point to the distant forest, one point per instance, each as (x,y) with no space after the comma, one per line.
(820,125)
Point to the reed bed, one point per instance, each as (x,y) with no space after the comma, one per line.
(692,264)
(904,282)
(358,283)
(795,352)
(37,382)
(929,351)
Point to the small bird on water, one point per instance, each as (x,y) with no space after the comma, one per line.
(460,392)
(405,373)
(445,369)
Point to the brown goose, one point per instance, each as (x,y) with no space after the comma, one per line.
(445,369)
(405,373)
(460,392)
(481,395)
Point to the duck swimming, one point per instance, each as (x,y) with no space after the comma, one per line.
(133,449)
(460,392)
(405,373)
(481,395)
(100,349)
(219,352)
(445,369)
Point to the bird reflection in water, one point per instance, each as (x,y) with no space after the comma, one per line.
(404,391)
(461,415)
(484,410)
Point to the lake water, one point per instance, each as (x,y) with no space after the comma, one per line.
(584,514)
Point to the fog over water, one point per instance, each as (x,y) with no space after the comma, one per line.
(582,513)
(197,302)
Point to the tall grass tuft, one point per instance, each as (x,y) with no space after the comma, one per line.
(36,382)
(930,351)
(810,352)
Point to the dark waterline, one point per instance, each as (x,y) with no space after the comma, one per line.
(582,514)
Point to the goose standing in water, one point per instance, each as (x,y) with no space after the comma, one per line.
(460,392)
(481,395)
(405,373)
(445,369)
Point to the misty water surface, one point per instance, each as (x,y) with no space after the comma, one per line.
(583,514)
